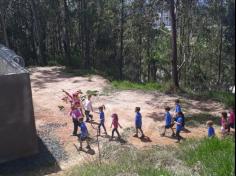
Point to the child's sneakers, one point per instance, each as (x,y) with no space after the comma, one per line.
(135,135)
(143,136)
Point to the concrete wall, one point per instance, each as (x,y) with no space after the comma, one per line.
(17,125)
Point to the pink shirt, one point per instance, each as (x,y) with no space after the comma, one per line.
(115,122)
(231,117)
(224,123)
(75,114)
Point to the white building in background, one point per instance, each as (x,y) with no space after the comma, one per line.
(164,18)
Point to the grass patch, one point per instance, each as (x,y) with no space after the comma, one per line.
(124,163)
(211,156)
(127,85)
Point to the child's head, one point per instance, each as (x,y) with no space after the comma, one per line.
(81,121)
(114,116)
(177,101)
(101,108)
(167,108)
(137,109)
(89,97)
(75,95)
(209,123)
(180,114)
(224,115)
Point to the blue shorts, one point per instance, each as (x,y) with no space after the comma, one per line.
(138,125)
(168,126)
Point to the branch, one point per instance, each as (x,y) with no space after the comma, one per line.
(182,64)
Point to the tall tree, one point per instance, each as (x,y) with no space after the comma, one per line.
(174,44)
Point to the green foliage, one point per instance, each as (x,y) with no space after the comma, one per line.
(225,97)
(212,156)
(127,85)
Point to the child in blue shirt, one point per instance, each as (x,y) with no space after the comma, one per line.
(83,134)
(177,107)
(211,130)
(168,122)
(102,120)
(179,126)
(138,122)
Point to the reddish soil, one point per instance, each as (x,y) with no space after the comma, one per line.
(47,83)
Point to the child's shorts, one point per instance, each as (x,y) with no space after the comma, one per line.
(138,126)
(82,138)
(168,126)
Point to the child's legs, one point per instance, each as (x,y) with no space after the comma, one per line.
(99,128)
(103,125)
(140,129)
(117,132)
(80,142)
(112,134)
(76,124)
(178,135)
(87,141)
(87,115)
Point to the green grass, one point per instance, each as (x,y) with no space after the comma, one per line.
(127,85)
(213,156)
(203,157)
(127,162)
(225,97)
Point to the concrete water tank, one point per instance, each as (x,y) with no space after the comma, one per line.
(18,136)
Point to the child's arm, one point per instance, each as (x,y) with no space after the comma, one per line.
(120,125)
(67,93)
(111,125)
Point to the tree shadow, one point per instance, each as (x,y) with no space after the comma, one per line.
(156,116)
(43,163)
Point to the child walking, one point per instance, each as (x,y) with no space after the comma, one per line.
(83,134)
(224,123)
(115,124)
(76,116)
(177,107)
(211,130)
(231,118)
(102,120)
(179,126)
(88,108)
(138,122)
(168,122)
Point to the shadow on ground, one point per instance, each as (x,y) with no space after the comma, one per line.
(38,165)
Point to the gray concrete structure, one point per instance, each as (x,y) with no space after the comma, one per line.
(18,136)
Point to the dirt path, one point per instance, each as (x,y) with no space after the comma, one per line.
(47,83)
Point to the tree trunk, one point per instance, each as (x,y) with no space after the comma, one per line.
(2,18)
(66,39)
(121,40)
(221,45)
(174,44)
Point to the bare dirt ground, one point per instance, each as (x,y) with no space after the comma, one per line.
(47,83)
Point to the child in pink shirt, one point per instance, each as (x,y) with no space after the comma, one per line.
(224,123)
(231,117)
(115,124)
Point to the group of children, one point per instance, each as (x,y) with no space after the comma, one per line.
(227,122)
(77,115)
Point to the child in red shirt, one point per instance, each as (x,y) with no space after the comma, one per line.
(115,124)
